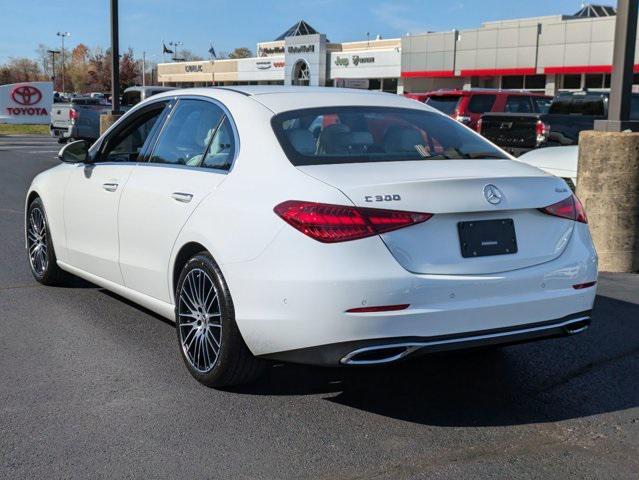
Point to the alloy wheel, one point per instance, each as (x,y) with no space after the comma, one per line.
(199,320)
(37,241)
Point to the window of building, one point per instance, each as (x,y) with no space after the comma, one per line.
(572,82)
(512,82)
(535,82)
(594,80)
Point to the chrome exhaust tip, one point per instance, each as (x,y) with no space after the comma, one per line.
(380,354)
(577,327)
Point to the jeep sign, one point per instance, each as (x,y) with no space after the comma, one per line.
(28,102)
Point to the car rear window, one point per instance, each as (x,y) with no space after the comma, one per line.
(331,135)
(444,103)
(578,105)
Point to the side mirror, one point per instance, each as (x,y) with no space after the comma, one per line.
(74,152)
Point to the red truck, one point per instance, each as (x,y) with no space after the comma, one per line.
(467,106)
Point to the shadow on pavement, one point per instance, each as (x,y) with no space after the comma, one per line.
(557,379)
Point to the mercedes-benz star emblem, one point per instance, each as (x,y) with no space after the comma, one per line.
(493,194)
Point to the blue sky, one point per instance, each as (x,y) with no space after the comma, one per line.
(234,23)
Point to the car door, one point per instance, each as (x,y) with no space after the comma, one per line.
(192,155)
(93,194)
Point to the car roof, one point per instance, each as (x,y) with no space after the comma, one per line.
(278,98)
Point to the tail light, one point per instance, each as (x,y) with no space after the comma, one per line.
(570,208)
(73,114)
(340,223)
(479,123)
(542,131)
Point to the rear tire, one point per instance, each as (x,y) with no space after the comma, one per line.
(40,251)
(210,343)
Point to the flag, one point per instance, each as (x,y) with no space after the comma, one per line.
(212,52)
(166,50)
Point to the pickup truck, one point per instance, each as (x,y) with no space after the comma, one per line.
(569,114)
(80,118)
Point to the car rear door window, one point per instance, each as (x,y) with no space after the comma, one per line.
(188,133)
(481,103)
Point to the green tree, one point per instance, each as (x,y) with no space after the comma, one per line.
(241,52)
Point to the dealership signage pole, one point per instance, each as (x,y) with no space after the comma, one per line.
(115,60)
(608,173)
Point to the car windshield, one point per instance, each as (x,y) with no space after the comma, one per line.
(332,135)
(444,103)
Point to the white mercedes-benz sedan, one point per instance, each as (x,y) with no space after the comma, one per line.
(314,225)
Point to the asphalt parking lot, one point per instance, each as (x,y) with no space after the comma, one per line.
(92,386)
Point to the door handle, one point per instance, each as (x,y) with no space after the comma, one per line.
(182,197)
(110,187)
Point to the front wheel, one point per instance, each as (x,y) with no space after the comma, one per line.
(42,259)
(210,343)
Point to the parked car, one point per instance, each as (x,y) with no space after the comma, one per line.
(559,161)
(80,118)
(569,114)
(134,95)
(396,232)
(77,119)
(467,106)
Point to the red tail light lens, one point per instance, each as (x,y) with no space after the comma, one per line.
(542,130)
(341,223)
(570,208)
(479,123)
(73,115)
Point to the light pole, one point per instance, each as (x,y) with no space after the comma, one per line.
(62,35)
(115,60)
(175,46)
(53,54)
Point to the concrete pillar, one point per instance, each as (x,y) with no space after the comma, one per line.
(608,186)
(106,120)
(551,84)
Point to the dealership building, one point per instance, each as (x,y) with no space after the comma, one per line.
(545,54)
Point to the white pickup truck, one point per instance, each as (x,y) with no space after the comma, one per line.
(80,118)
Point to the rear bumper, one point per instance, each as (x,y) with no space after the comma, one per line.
(389,350)
(60,132)
(293,300)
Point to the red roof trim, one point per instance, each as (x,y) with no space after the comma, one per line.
(579,69)
(428,74)
(493,72)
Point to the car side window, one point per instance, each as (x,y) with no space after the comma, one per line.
(481,103)
(127,143)
(518,104)
(222,148)
(131,98)
(189,130)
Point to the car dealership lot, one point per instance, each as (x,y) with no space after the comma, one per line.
(71,405)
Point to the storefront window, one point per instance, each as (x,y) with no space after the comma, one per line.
(594,80)
(535,82)
(390,85)
(572,82)
(512,82)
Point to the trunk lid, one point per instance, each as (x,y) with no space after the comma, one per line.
(453,190)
